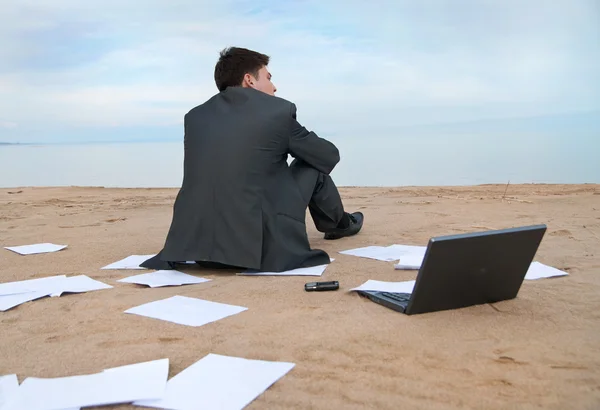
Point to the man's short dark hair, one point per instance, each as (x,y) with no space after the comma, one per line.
(234,63)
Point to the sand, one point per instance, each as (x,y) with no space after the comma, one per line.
(540,350)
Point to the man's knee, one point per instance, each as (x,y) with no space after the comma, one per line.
(306,177)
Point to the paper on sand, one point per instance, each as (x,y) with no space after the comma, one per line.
(393,287)
(187,311)
(164,278)
(134,261)
(219,382)
(386,253)
(36,248)
(16,293)
(130,262)
(30,285)
(126,384)
(310,271)
(410,262)
(409,257)
(79,284)
(538,270)
(9,385)
(10,301)
(372,252)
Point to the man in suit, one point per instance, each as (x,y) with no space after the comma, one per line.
(240,204)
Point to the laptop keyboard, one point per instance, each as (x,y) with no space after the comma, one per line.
(399,297)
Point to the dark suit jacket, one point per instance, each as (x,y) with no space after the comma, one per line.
(239,204)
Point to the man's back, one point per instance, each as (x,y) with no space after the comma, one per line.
(237,185)
(236,140)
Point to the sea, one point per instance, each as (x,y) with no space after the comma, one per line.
(375,162)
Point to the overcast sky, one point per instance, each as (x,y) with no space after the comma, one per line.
(73,70)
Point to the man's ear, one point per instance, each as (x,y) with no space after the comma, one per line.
(248,80)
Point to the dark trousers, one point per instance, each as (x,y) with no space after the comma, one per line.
(320,195)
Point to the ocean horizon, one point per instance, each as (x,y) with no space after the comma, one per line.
(457,160)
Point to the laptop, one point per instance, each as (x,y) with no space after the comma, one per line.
(468,269)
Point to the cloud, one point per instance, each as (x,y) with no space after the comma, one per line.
(348,67)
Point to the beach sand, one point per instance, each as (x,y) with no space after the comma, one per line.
(538,351)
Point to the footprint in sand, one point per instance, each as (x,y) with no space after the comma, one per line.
(569,367)
(169,339)
(115,220)
(562,233)
(508,360)
(56,338)
(77,226)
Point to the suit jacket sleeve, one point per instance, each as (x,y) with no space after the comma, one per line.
(309,147)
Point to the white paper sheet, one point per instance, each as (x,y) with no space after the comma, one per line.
(408,250)
(310,271)
(386,253)
(371,252)
(9,385)
(15,293)
(36,248)
(142,381)
(220,382)
(78,284)
(410,262)
(394,287)
(30,285)
(187,311)
(10,301)
(130,262)
(164,278)
(538,270)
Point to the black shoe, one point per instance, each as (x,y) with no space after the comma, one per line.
(356,223)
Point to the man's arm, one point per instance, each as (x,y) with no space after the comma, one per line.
(309,147)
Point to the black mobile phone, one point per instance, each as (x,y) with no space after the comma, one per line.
(321,286)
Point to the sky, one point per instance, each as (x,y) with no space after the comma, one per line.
(126,70)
